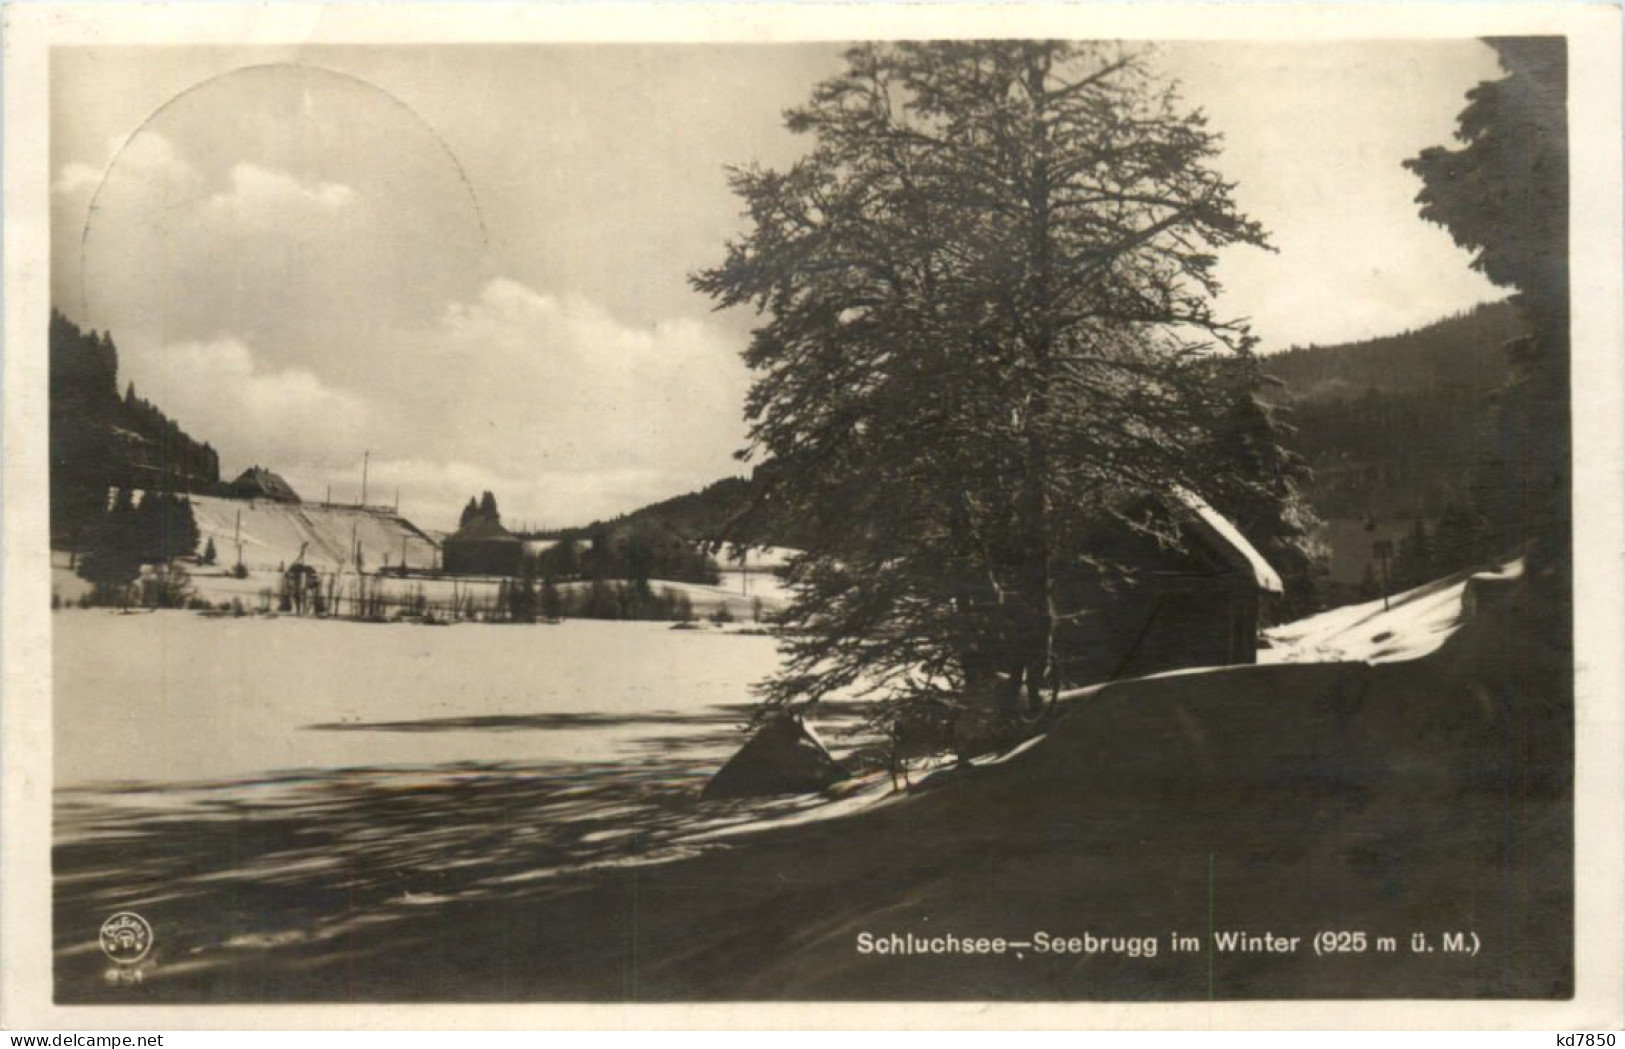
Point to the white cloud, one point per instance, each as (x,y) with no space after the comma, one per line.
(433,492)
(148,155)
(76,178)
(563,410)
(151,153)
(564,374)
(219,392)
(264,199)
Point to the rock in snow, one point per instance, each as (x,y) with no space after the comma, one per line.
(783,757)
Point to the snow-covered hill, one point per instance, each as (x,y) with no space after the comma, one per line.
(272,533)
(1414,623)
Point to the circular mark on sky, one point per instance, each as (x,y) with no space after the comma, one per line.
(286,202)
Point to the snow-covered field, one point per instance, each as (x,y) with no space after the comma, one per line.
(173,697)
(209,770)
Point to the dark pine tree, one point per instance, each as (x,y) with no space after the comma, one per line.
(1503,194)
(1258,484)
(113,558)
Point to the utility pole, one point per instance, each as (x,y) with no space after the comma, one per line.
(1384,551)
(364,457)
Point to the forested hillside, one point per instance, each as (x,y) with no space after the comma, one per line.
(101,440)
(1393,454)
(696,515)
(1460,352)
(726,509)
(1399,431)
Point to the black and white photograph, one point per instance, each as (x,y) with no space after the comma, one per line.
(1047,518)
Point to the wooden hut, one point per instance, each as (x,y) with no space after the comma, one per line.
(257,482)
(1196,603)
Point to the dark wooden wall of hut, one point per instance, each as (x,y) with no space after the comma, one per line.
(483,556)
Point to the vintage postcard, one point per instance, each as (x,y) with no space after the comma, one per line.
(673,516)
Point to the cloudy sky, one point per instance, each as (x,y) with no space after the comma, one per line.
(472,261)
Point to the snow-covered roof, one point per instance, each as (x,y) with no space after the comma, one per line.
(1220,526)
(259,479)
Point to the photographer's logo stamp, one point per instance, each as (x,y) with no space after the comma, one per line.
(126,937)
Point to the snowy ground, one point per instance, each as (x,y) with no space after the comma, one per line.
(1409,625)
(237,699)
(202,762)
(260,786)
(273,533)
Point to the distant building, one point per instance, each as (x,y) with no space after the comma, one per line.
(257,482)
(482,547)
(1200,605)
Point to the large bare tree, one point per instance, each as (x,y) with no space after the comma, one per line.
(986,300)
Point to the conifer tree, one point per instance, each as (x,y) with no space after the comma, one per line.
(185,533)
(112,559)
(1258,484)
(1503,194)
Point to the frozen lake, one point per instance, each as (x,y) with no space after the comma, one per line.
(256,784)
(171,697)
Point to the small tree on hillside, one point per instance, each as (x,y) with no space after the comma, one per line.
(164,527)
